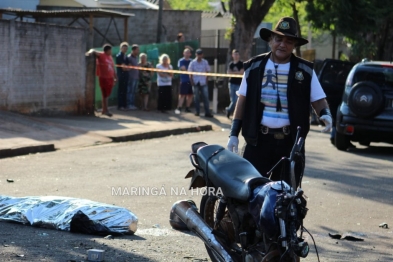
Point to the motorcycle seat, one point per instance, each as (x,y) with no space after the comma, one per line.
(234,175)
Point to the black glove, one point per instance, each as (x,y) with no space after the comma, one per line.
(324,112)
(236,127)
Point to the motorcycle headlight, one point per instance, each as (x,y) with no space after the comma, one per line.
(302,249)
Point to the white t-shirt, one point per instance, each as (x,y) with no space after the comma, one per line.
(164,80)
(271,86)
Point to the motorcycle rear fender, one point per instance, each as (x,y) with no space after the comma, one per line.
(197,179)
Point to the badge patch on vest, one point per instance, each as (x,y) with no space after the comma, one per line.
(299,75)
(284,25)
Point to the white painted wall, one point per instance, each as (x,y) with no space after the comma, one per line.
(215,23)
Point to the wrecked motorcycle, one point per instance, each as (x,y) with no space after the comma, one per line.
(244,216)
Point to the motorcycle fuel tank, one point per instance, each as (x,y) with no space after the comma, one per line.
(263,204)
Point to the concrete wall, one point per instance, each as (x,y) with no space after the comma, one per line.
(42,68)
(142,27)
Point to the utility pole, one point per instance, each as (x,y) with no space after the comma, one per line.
(159,24)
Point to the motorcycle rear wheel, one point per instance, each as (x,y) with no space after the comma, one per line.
(208,210)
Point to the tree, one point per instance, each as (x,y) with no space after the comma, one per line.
(293,8)
(190,5)
(324,15)
(247,15)
(365,23)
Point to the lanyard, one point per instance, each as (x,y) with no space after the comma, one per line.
(278,103)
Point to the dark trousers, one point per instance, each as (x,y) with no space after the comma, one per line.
(122,93)
(164,101)
(268,152)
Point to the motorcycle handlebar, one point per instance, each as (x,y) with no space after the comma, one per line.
(297,147)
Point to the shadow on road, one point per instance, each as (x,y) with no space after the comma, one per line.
(357,178)
(39,244)
(374,245)
(19,130)
(378,152)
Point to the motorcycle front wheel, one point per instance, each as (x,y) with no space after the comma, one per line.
(208,211)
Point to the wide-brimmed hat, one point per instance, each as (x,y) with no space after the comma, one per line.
(286,26)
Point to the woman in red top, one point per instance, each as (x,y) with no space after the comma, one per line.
(106,74)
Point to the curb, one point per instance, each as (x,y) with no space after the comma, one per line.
(12,152)
(162,133)
(26,150)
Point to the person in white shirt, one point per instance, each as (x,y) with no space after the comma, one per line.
(164,83)
(274,100)
(199,82)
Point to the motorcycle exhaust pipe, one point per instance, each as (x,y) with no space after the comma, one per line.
(197,225)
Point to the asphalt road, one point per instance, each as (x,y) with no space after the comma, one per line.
(347,192)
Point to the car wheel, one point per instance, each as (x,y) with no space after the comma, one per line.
(342,141)
(365,99)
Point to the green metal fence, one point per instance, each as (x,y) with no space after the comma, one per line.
(153,51)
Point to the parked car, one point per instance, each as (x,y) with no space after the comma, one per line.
(365,114)
(332,74)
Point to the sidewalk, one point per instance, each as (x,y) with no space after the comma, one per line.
(20,134)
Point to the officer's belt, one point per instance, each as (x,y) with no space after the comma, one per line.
(278,133)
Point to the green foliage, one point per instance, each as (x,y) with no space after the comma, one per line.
(202,5)
(358,20)
(283,8)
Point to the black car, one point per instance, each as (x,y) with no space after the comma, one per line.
(365,114)
(332,76)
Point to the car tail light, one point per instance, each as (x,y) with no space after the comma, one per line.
(349,130)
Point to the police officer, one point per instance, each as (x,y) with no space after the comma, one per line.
(274,99)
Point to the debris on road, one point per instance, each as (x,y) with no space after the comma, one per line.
(384,225)
(68,214)
(95,255)
(335,236)
(347,236)
(10,180)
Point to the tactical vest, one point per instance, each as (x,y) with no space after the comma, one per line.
(298,95)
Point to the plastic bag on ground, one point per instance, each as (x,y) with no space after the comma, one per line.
(60,213)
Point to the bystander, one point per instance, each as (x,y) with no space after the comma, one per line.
(106,74)
(185,92)
(122,73)
(144,80)
(133,77)
(235,67)
(164,83)
(199,82)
